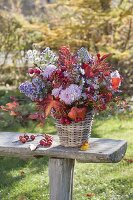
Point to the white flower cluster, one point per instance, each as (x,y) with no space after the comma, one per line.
(43,58)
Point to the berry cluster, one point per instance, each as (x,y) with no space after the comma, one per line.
(36,71)
(46,141)
(26,138)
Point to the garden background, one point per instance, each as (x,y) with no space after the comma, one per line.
(104,26)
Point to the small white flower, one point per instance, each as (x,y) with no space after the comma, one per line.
(37,60)
(96,86)
(89,81)
(82,71)
(29,52)
(35,52)
(115,74)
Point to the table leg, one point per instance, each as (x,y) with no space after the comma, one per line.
(61,178)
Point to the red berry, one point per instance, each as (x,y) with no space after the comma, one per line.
(43,142)
(31,71)
(37,71)
(26,137)
(49,142)
(32,137)
(20,137)
(23,140)
(46,136)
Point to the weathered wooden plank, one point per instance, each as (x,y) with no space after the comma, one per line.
(101,150)
(61,178)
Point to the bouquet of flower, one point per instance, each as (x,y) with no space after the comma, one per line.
(69,85)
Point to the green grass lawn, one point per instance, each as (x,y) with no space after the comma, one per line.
(28,179)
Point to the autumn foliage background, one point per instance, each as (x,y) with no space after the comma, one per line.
(101,26)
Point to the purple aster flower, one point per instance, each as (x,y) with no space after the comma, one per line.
(33,91)
(84,55)
(71,94)
(48,71)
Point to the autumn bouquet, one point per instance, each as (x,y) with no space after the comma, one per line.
(70,87)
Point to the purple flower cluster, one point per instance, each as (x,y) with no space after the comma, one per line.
(34,90)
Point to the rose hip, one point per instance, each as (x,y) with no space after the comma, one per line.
(23,140)
(32,137)
(31,71)
(37,71)
(26,137)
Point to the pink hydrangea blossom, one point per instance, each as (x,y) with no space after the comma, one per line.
(48,71)
(71,94)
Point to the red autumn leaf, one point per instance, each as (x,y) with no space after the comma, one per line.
(12,105)
(115,82)
(51,103)
(3,108)
(88,71)
(13,113)
(98,56)
(77,112)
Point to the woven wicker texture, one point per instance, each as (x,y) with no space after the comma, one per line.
(75,134)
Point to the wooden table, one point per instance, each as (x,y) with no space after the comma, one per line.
(61,159)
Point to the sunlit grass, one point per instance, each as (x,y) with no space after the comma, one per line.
(28,179)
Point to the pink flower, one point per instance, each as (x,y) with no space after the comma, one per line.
(48,71)
(71,94)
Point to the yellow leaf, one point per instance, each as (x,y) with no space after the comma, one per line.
(85,146)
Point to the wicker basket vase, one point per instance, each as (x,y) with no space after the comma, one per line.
(75,134)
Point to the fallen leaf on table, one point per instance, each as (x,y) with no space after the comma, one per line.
(85,146)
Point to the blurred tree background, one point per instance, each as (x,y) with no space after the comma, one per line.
(101,26)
